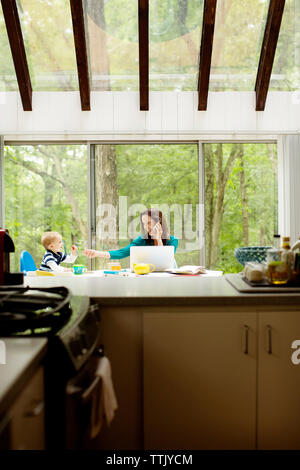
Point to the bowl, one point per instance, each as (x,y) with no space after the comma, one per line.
(251,253)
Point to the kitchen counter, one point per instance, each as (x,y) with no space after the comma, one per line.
(189,335)
(23,355)
(162,289)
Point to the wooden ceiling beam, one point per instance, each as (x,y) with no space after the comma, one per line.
(81,53)
(267,53)
(208,26)
(14,31)
(144,54)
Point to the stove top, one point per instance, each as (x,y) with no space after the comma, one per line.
(70,322)
(33,311)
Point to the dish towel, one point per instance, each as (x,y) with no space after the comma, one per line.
(110,403)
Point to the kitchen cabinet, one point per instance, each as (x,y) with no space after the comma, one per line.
(278,381)
(121,334)
(199,380)
(183,380)
(24,421)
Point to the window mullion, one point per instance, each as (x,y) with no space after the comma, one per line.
(2,193)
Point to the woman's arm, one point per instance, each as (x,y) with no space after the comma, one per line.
(96,254)
(174,242)
(114,254)
(124,252)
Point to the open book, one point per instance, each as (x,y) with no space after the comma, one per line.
(191,270)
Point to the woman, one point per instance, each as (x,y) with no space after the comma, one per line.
(154,232)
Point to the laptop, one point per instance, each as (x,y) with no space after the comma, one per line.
(161,256)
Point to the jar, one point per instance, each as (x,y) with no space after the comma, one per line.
(278,271)
(114,265)
(287,255)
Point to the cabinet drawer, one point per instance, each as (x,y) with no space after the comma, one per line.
(26,426)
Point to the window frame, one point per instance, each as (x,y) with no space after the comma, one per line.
(2,183)
(90,144)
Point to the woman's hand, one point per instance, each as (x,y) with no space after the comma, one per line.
(156,232)
(96,254)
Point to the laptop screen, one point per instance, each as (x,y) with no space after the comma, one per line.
(162,257)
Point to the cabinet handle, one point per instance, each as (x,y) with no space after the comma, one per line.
(246,327)
(269,339)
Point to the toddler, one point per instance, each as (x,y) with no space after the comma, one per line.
(52,242)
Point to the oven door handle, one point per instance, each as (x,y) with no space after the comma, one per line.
(87,394)
(94,394)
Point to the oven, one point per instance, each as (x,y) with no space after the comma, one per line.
(73,395)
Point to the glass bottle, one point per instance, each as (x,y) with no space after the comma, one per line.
(279,263)
(276,241)
(287,255)
(296,267)
(273,253)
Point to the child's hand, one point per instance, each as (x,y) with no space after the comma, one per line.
(74,250)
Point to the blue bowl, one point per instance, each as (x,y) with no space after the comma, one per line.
(251,253)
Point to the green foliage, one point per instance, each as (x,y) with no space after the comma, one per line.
(260,167)
(46,188)
(38,198)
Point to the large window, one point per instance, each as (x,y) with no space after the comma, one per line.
(45,189)
(240,200)
(174,40)
(132,178)
(175,28)
(49,46)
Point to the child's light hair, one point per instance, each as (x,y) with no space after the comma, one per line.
(48,238)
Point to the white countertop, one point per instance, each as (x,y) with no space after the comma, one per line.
(150,285)
(157,286)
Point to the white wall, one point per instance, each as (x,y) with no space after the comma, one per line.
(172,115)
(289,186)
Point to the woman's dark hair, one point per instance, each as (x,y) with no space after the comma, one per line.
(157,216)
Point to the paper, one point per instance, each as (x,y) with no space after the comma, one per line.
(188,269)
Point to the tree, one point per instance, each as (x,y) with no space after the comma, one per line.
(45,189)
(244,202)
(223,170)
(249,202)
